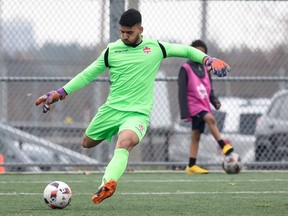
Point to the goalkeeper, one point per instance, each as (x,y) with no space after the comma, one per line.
(133,62)
(195,94)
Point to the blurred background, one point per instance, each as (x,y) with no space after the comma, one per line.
(43,44)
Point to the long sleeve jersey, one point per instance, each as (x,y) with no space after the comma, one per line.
(132,72)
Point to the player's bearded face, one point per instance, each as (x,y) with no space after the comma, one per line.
(131,36)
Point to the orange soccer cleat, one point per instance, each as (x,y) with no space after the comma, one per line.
(104,191)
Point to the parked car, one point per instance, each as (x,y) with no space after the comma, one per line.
(272,131)
(236,121)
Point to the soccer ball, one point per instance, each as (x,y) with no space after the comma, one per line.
(57,195)
(232,163)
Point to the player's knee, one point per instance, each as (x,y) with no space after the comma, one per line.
(127,142)
(210,119)
(88,142)
(85,144)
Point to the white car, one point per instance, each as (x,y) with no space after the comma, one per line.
(272,131)
(236,121)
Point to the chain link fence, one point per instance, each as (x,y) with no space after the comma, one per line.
(45,43)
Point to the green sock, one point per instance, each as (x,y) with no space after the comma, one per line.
(116,166)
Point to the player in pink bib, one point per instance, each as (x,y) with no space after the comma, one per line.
(195,95)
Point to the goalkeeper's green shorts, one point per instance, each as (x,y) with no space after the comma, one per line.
(109,122)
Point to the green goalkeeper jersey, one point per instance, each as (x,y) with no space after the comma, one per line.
(132,72)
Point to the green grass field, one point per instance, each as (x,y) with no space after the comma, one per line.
(162,193)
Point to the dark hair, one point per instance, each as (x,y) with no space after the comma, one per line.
(199,43)
(130,18)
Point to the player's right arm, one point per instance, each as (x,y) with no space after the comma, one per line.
(79,81)
(87,75)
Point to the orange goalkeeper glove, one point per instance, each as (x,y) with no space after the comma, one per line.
(219,67)
(49,98)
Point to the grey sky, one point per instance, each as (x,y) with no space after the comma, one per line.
(230,24)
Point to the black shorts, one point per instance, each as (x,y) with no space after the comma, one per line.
(198,122)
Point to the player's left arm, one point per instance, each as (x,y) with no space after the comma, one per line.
(184,51)
(219,67)
(214,100)
(182,94)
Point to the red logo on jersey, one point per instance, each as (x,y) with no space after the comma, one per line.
(147,50)
(140,127)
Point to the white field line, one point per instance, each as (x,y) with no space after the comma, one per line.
(154,181)
(159,193)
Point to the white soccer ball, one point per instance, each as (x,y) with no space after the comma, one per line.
(232,163)
(57,195)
